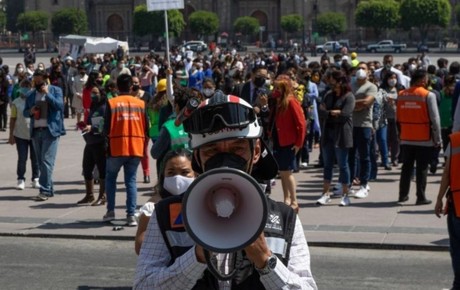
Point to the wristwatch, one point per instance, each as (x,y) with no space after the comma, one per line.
(271,264)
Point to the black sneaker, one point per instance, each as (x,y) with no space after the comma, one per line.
(403,200)
(423,202)
(41,197)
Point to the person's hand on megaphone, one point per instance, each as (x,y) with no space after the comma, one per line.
(199,252)
(258,252)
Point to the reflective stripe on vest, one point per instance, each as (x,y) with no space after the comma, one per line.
(412,115)
(179,138)
(455,171)
(127,126)
(277,245)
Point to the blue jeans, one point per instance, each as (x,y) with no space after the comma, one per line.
(382,141)
(113,166)
(341,154)
(362,143)
(453,227)
(45,146)
(23,146)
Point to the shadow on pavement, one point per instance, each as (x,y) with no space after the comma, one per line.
(373,204)
(47,205)
(430,211)
(102,288)
(74,225)
(14,197)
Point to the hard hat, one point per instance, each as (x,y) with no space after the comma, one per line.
(354,55)
(161,87)
(222,117)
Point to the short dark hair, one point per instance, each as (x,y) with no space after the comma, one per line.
(417,76)
(124,83)
(39,73)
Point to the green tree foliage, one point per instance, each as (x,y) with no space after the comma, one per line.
(203,22)
(378,15)
(153,22)
(291,23)
(457,13)
(33,21)
(331,23)
(424,14)
(69,21)
(246,25)
(13,9)
(2,19)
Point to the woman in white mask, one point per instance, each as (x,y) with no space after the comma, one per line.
(209,88)
(176,174)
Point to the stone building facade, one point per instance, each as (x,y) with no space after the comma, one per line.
(114,17)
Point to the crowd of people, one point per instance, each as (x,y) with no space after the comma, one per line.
(363,116)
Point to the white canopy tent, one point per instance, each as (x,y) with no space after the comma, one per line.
(77,45)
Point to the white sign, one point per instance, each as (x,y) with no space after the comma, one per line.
(157,5)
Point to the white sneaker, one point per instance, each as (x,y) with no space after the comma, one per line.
(272,182)
(35,183)
(362,192)
(21,184)
(345,201)
(303,165)
(324,199)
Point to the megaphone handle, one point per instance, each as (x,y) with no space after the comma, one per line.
(216,272)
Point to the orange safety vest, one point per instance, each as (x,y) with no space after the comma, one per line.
(455,171)
(127,126)
(412,114)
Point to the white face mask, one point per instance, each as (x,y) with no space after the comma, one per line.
(177,184)
(208,92)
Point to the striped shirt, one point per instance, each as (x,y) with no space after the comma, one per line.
(152,270)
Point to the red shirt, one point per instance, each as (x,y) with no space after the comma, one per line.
(291,125)
(86,100)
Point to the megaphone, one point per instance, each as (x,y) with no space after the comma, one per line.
(224,210)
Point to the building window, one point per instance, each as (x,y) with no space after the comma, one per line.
(55,2)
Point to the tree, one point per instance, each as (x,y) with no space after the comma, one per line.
(13,9)
(69,21)
(378,15)
(32,21)
(153,22)
(457,13)
(424,14)
(203,23)
(331,23)
(246,25)
(2,19)
(292,23)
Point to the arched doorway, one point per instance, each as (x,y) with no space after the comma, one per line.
(263,22)
(115,27)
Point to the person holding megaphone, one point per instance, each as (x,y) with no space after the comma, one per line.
(200,240)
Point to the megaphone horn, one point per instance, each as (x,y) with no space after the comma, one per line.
(224,210)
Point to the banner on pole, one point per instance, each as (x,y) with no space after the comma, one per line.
(157,5)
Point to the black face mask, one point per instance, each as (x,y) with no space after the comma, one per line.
(226,160)
(259,81)
(39,86)
(135,88)
(99,82)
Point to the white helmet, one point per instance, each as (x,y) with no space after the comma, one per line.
(222,117)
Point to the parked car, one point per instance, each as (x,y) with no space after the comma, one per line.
(423,47)
(194,45)
(330,46)
(386,46)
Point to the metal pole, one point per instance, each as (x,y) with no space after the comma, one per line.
(167,38)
